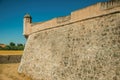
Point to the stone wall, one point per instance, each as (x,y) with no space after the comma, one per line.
(83,50)
(110,4)
(84,45)
(92,11)
(5,59)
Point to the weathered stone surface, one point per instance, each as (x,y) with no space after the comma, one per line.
(82,46)
(84,50)
(4,59)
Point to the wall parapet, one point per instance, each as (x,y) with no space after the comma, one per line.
(98,9)
(110,4)
(63,19)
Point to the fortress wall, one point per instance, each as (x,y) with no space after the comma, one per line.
(44,25)
(84,45)
(96,10)
(83,50)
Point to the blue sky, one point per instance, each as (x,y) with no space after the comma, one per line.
(13,11)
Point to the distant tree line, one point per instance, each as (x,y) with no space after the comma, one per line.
(13,46)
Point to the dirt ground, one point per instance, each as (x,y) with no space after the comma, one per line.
(9,72)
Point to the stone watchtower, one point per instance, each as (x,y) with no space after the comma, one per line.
(27,25)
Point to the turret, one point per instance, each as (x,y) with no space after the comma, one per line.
(27,25)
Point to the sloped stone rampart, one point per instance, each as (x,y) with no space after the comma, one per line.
(84,50)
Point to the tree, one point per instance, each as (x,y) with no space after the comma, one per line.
(19,44)
(12,44)
(1,48)
(7,47)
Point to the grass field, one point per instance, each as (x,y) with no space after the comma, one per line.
(10,52)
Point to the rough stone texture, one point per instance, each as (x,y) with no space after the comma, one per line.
(84,50)
(84,45)
(92,11)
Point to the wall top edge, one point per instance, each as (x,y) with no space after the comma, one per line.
(99,9)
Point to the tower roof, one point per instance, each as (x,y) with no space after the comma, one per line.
(27,16)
